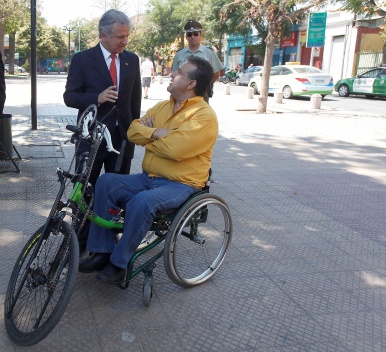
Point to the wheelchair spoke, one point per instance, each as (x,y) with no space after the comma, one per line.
(199,241)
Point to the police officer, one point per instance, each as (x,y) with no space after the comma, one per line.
(193,32)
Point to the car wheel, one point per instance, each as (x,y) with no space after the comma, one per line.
(343,91)
(323,96)
(237,81)
(287,92)
(254,86)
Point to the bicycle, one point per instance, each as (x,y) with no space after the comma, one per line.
(43,278)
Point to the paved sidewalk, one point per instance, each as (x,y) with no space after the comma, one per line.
(307,266)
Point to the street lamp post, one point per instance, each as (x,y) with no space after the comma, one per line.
(80,24)
(79,38)
(69,29)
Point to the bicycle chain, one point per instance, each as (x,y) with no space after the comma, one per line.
(93,152)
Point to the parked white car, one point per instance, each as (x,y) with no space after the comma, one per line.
(15,68)
(295,80)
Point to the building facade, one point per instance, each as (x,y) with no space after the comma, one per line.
(351,46)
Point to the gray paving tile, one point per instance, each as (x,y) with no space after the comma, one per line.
(305,272)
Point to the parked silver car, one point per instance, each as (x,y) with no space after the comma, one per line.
(244,77)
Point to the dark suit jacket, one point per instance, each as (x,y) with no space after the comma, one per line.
(2,85)
(89,76)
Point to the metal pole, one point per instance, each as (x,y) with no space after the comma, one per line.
(69,47)
(69,30)
(312,56)
(33,72)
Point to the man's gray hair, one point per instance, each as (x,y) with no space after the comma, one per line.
(108,20)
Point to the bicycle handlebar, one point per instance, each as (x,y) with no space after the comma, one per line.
(85,132)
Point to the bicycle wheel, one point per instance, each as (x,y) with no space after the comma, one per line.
(198,240)
(41,284)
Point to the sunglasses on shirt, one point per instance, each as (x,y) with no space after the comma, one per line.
(196,34)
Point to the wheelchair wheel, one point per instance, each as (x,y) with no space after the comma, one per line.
(41,284)
(147,292)
(198,240)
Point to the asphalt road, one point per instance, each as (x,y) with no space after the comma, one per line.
(376,106)
(357,104)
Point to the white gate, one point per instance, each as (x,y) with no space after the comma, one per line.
(337,57)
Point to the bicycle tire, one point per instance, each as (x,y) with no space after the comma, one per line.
(46,283)
(191,258)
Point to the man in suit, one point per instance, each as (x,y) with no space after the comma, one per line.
(107,76)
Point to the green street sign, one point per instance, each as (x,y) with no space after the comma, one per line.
(316,29)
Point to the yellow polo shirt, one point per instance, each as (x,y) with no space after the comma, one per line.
(185,154)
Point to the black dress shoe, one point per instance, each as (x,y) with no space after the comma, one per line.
(82,251)
(111,274)
(95,262)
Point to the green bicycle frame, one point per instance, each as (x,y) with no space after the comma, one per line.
(76,197)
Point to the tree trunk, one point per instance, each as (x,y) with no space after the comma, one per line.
(262,99)
(2,38)
(220,47)
(384,54)
(11,59)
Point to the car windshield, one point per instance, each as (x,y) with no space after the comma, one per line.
(307,70)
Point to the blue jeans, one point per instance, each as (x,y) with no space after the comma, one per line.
(143,197)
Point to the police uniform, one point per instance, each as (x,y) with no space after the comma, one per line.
(203,51)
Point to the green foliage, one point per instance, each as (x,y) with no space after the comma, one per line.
(14,14)
(167,19)
(88,29)
(140,40)
(272,16)
(363,7)
(218,22)
(162,27)
(50,42)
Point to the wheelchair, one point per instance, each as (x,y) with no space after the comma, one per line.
(193,241)
(196,239)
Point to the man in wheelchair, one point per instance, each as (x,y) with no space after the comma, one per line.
(178,136)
